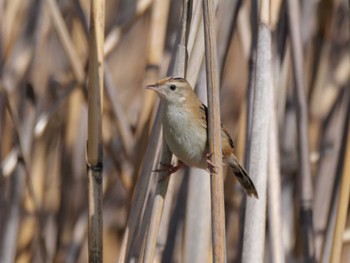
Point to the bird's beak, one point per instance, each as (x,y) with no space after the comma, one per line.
(152,87)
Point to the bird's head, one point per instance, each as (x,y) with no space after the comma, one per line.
(172,90)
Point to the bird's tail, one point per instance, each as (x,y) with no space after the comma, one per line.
(242,176)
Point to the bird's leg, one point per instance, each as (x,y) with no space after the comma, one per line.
(212,167)
(169,168)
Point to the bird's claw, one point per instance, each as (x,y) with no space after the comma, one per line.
(169,168)
(212,167)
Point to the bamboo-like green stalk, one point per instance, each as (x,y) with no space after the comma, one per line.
(304,175)
(94,144)
(255,215)
(214,134)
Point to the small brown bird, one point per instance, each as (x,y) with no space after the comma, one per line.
(184,120)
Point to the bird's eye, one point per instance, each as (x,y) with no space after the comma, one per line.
(172,87)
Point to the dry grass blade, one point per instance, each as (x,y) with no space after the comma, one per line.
(254,226)
(214,134)
(94,144)
(304,175)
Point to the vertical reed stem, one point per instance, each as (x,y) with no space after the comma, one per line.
(214,134)
(255,216)
(94,143)
(344,195)
(304,175)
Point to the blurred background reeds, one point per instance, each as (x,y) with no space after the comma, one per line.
(305,92)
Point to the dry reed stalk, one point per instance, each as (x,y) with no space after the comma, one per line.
(159,18)
(226,29)
(344,194)
(121,121)
(169,233)
(197,51)
(156,46)
(131,239)
(12,224)
(255,215)
(115,34)
(65,39)
(251,78)
(157,210)
(214,134)
(94,144)
(24,140)
(156,42)
(79,235)
(10,27)
(197,236)
(197,225)
(326,174)
(1,58)
(244,37)
(274,189)
(179,69)
(329,235)
(325,95)
(304,175)
(274,196)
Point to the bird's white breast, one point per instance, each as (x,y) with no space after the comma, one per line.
(186,138)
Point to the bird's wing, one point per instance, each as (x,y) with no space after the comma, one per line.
(224,133)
